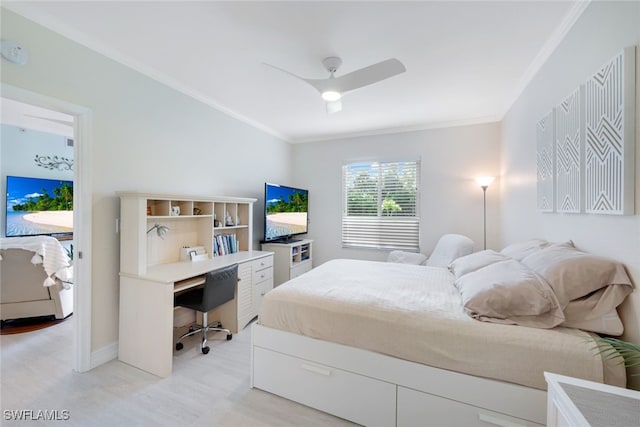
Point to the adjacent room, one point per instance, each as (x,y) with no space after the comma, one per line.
(286,213)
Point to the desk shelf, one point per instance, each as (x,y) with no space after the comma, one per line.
(191,220)
(151,270)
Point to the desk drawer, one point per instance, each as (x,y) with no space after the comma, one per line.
(262,275)
(354,397)
(262,263)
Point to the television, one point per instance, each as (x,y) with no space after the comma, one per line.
(285,212)
(37,206)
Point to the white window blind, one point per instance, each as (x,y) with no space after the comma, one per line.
(381,205)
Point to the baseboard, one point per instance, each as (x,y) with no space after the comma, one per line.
(104,354)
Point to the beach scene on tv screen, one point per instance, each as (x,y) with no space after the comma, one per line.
(286,212)
(38,206)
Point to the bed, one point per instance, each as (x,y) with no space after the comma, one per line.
(395,344)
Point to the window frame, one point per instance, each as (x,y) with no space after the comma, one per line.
(381,232)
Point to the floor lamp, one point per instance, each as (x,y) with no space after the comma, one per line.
(484,182)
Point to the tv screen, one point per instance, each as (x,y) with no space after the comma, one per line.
(285,211)
(37,206)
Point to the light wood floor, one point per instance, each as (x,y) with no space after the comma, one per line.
(204,390)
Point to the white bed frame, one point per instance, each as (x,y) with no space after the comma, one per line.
(373,389)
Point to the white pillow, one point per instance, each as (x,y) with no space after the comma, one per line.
(475,261)
(448,248)
(520,250)
(403,257)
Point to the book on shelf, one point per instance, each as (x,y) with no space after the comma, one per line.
(224,244)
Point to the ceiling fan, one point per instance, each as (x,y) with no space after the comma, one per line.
(333,88)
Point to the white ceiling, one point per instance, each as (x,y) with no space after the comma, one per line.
(27,116)
(466,61)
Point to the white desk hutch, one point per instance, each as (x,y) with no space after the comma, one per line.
(151,269)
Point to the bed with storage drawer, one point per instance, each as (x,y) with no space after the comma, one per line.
(396,344)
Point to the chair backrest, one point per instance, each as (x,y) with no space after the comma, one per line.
(219,287)
(448,248)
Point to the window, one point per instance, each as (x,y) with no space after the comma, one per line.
(381,205)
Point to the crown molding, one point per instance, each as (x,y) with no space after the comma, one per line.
(33,14)
(545,52)
(401,129)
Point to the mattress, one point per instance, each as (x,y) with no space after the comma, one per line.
(415,313)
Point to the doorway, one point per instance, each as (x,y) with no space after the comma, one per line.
(82,214)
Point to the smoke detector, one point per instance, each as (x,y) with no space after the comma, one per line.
(13,52)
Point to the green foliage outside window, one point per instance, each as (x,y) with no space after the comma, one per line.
(387,191)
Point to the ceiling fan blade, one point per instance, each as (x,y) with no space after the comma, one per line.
(287,72)
(359,78)
(334,106)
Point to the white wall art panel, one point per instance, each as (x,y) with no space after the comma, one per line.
(610,140)
(569,127)
(545,161)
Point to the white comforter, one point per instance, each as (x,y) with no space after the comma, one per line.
(48,252)
(415,313)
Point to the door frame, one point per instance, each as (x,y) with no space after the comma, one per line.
(82,215)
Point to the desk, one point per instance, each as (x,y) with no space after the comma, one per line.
(146,304)
(580,403)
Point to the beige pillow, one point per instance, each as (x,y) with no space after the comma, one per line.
(508,292)
(596,312)
(574,274)
(608,324)
(475,261)
(520,250)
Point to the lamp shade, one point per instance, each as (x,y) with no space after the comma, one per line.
(484,181)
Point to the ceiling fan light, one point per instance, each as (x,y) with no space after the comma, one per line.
(331,95)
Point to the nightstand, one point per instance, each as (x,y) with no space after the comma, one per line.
(579,403)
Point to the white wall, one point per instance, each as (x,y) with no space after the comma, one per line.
(18,149)
(603,30)
(450,200)
(146,137)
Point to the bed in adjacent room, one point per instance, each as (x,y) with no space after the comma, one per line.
(389,344)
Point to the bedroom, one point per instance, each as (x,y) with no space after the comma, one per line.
(141,129)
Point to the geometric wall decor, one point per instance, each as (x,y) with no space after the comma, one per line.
(545,162)
(569,142)
(610,140)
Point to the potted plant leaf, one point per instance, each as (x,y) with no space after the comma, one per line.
(612,348)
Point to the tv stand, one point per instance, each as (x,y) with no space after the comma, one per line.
(289,240)
(291,259)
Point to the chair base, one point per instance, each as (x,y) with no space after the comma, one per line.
(204,330)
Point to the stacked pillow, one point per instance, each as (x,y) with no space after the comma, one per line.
(539,284)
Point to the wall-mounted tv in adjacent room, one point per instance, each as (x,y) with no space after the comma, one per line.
(285,212)
(37,206)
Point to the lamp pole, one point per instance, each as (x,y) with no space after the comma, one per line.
(484,196)
(484,182)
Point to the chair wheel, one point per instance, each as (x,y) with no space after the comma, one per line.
(191,329)
(205,350)
(179,346)
(229,337)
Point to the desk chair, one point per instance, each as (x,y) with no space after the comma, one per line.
(219,288)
